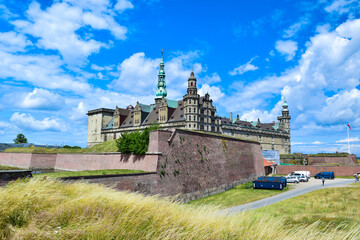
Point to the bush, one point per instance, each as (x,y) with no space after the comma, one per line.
(135,142)
(71,147)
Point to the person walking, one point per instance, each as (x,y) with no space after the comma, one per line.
(323,180)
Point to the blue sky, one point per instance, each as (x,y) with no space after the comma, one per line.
(59,59)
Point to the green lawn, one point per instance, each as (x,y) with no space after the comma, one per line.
(3,167)
(109,146)
(330,206)
(241,194)
(86,173)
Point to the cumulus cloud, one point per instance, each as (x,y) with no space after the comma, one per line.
(28,122)
(122,5)
(138,73)
(43,99)
(244,68)
(79,113)
(56,27)
(39,70)
(13,42)
(286,48)
(215,92)
(321,89)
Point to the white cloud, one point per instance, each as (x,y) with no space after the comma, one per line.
(28,122)
(342,6)
(317,143)
(100,68)
(79,113)
(41,71)
(138,74)
(214,92)
(122,5)
(213,78)
(13,42)
(264,116)
(287,48)
(5,12)
(354,139)
(322,86)
(295,28)
(56,27)
(41,98)
(244,68)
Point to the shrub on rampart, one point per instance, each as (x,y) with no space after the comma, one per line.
(135,142)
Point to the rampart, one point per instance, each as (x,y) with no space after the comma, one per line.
(185,163)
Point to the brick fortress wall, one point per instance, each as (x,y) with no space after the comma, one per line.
(188,163)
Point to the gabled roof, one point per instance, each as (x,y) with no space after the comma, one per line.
(268,163)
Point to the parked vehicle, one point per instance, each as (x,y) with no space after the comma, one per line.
(329,175)
(270,183)
(301,177)
(306,173)
(292,179)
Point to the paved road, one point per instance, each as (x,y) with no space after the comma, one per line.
(300,189)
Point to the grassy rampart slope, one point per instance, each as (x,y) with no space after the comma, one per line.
(48,209)
(109,146)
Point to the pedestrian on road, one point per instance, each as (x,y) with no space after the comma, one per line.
(323,180)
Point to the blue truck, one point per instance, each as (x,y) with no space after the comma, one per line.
(329,175)
(264,182)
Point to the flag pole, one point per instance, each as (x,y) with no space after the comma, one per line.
(348,139)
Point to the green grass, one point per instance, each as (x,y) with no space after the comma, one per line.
(3,167)
(109,146)
(335,207)
(50,209)
(86,173)
(241,194)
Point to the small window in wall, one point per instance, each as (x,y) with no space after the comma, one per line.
(194,125)
(191,83)
(272,147)
(114,135)
(105,138)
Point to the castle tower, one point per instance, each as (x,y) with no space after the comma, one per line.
(284,119)
(191,104)
(161,86)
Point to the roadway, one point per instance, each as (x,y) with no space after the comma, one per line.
(300,189)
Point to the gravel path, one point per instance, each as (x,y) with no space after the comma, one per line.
(300,189)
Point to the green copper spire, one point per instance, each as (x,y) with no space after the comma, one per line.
(161,91)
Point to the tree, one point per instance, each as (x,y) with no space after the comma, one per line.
(20,138)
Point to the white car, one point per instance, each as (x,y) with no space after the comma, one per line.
(292,179)
(301,177)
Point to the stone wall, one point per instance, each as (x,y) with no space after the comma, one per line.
(186,163)
(80,162)
(348,170)
(325,160)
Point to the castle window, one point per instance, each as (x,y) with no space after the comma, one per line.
(191,83)
(194,125)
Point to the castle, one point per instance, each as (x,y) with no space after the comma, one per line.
(193,112)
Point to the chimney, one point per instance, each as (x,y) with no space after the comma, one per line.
(237,118)
(231,116)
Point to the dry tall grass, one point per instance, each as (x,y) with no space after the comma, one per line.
(49,209)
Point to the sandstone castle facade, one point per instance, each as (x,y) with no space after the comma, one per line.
(193,112)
